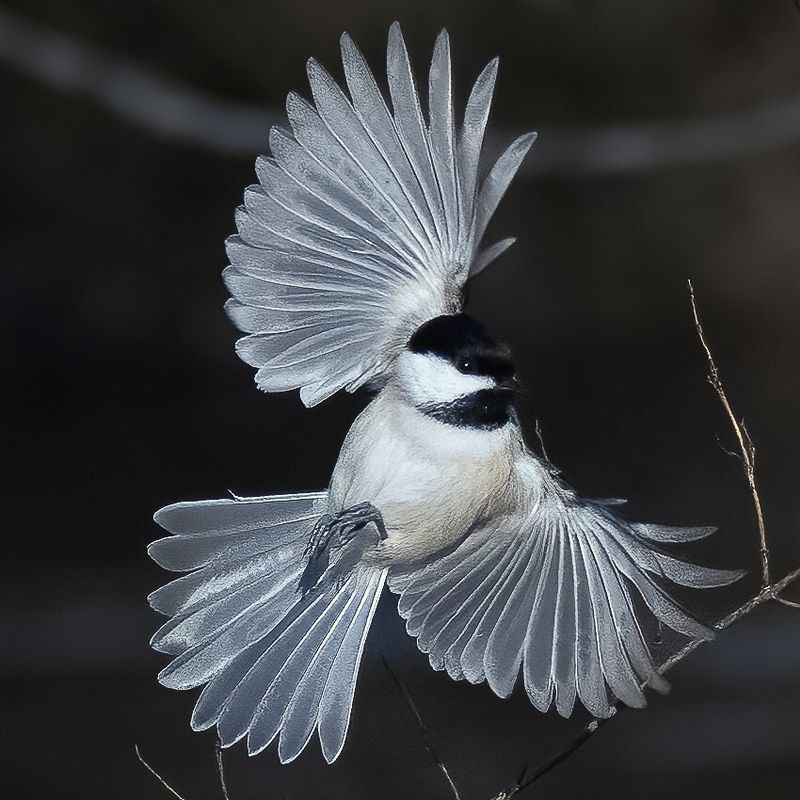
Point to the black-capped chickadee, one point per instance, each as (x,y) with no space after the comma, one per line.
(348,269)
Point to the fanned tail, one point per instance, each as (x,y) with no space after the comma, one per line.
(274,662)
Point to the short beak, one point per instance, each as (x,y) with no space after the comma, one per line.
(509,385)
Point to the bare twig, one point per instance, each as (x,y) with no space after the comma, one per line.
(726,450)
(769,591)
(746,447)
(766,594)
(156,775)
(426,734)
(221,770)
(526,779)
(748,457)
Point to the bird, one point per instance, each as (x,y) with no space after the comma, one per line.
(348,271)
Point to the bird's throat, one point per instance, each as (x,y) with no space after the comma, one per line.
(487,409)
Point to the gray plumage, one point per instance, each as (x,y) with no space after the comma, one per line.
(365,224)
(534,590)
(348,268)
(272,661)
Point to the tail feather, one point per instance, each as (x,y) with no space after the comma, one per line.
(243,704)
(295,658)
(253,587)
(208,584)
(251,513)
(272,660)
(340,686)
(202,660)
(221,531)
(302,708)
(170,598)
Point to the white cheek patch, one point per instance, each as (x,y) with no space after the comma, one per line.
(425,378)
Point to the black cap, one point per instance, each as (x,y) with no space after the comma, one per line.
(466,344)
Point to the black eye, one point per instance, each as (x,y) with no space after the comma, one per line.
(465,366)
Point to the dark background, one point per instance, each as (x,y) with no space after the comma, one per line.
(121,392)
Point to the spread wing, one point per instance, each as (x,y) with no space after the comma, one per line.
(550,590)
(366,222)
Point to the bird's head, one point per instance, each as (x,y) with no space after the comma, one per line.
(453,370)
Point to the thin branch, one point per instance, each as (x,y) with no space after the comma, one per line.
(156,775)
(726,450)
(765,595)
(746,446)
(221,770)
(748,456)
(525,780)
(426,734)
(768,592)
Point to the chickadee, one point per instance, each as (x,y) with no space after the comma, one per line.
(348,269)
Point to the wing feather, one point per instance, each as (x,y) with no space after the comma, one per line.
(470,143)
(476,650)
(626,623)
(489,254)
(549,591)
(473,639)
(498,180)
(198,542)
(449,633)
(292,665)
(616,667)
(301,715)
(411,127)
(563,674)
(504,649)
(365,224)
(538,656)
(436,606)
(243,701)
(223,603)
(348,130)
(369,104)
(591,684)
(442,137)
(200,662)
(224,593)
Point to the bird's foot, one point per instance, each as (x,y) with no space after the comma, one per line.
(332,532)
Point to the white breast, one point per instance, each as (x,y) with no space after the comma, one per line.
(431,481)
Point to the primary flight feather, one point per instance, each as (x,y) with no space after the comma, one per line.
(348,269)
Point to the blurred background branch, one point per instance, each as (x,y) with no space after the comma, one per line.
(172,109)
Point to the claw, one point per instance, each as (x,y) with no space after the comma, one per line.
(333,533)
(320,535)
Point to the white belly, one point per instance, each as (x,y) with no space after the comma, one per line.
(430,481)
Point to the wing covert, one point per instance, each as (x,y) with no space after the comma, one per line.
(550,591)
(365,223)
